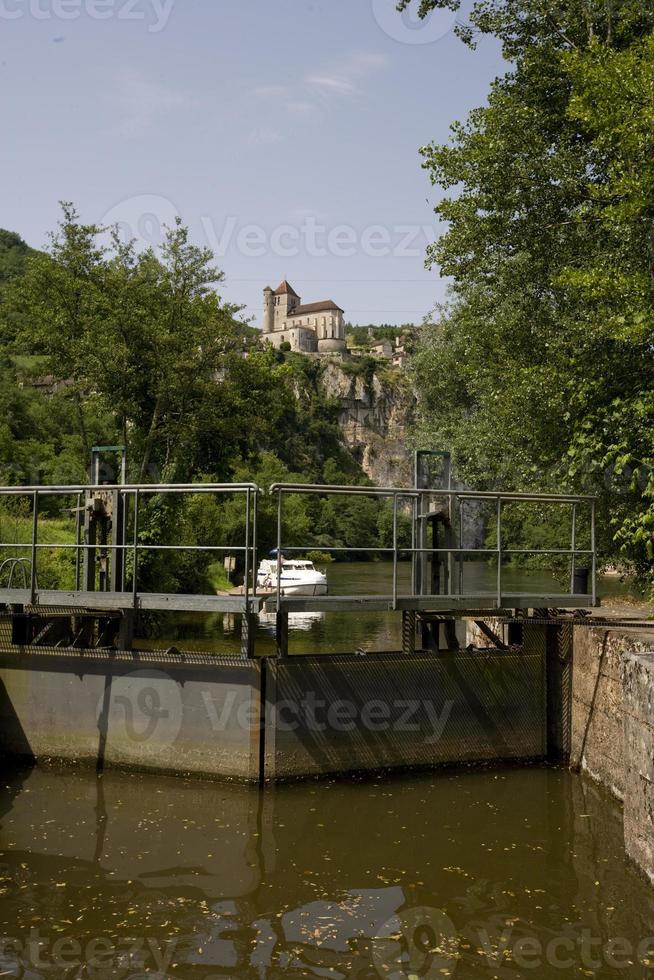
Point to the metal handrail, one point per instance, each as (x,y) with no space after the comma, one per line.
(134,492)
(15,563)
(417,497)
(457,552)
(513,495)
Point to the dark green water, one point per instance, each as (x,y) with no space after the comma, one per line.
(488,874)
(345,632)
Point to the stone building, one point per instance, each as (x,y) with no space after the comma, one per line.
(310,328)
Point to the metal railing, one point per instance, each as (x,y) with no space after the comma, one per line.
(14,565)
(424,507)
(131,497)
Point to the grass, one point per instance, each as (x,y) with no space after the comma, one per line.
(218,578)
(55,568)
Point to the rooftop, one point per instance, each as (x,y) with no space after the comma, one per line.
(284,288)
(325,304)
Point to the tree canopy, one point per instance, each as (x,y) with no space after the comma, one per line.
(538,371)
(103,344)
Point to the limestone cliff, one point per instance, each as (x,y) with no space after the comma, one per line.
(376,411)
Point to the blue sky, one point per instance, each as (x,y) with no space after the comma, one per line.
(284,132)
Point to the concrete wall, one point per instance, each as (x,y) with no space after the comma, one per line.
(133,712)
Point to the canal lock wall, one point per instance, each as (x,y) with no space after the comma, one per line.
(589,699)
(613,728)
(270,719)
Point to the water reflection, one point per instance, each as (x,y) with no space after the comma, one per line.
(343,632)
(298,622)
(465,874)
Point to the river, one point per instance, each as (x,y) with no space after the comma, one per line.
(481,874)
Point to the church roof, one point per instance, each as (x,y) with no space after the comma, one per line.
(325,304)
(285,287)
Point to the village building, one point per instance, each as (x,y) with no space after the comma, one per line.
(311,328)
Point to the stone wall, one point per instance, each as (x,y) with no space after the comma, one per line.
(613,727)
(638,706)
(597,744)
(610,735)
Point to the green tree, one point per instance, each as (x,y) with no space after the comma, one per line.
(538,372)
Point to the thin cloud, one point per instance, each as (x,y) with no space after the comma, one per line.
(344,79)
(306,98)
(331,84)
(141,102)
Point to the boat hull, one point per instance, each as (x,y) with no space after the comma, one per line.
(294,588)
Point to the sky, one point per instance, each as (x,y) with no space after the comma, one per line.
(285,133)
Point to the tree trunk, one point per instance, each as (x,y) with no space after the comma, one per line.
(149,442)
(82,427)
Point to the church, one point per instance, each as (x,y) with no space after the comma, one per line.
(311,328)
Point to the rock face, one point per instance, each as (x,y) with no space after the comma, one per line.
(376,413)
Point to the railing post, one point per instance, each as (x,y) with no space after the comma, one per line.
(414,515)
(279,550)
(246,573)
(461,543)
(499,552)
(78,545)
(35,531)
(254,542)
(573,549)
(395,556)
(135,551)
(593,547)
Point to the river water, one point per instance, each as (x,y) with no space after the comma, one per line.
(494,874)
(347,631)
(483,874)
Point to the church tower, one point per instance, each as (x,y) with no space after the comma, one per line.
(286,302)
(268,310)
